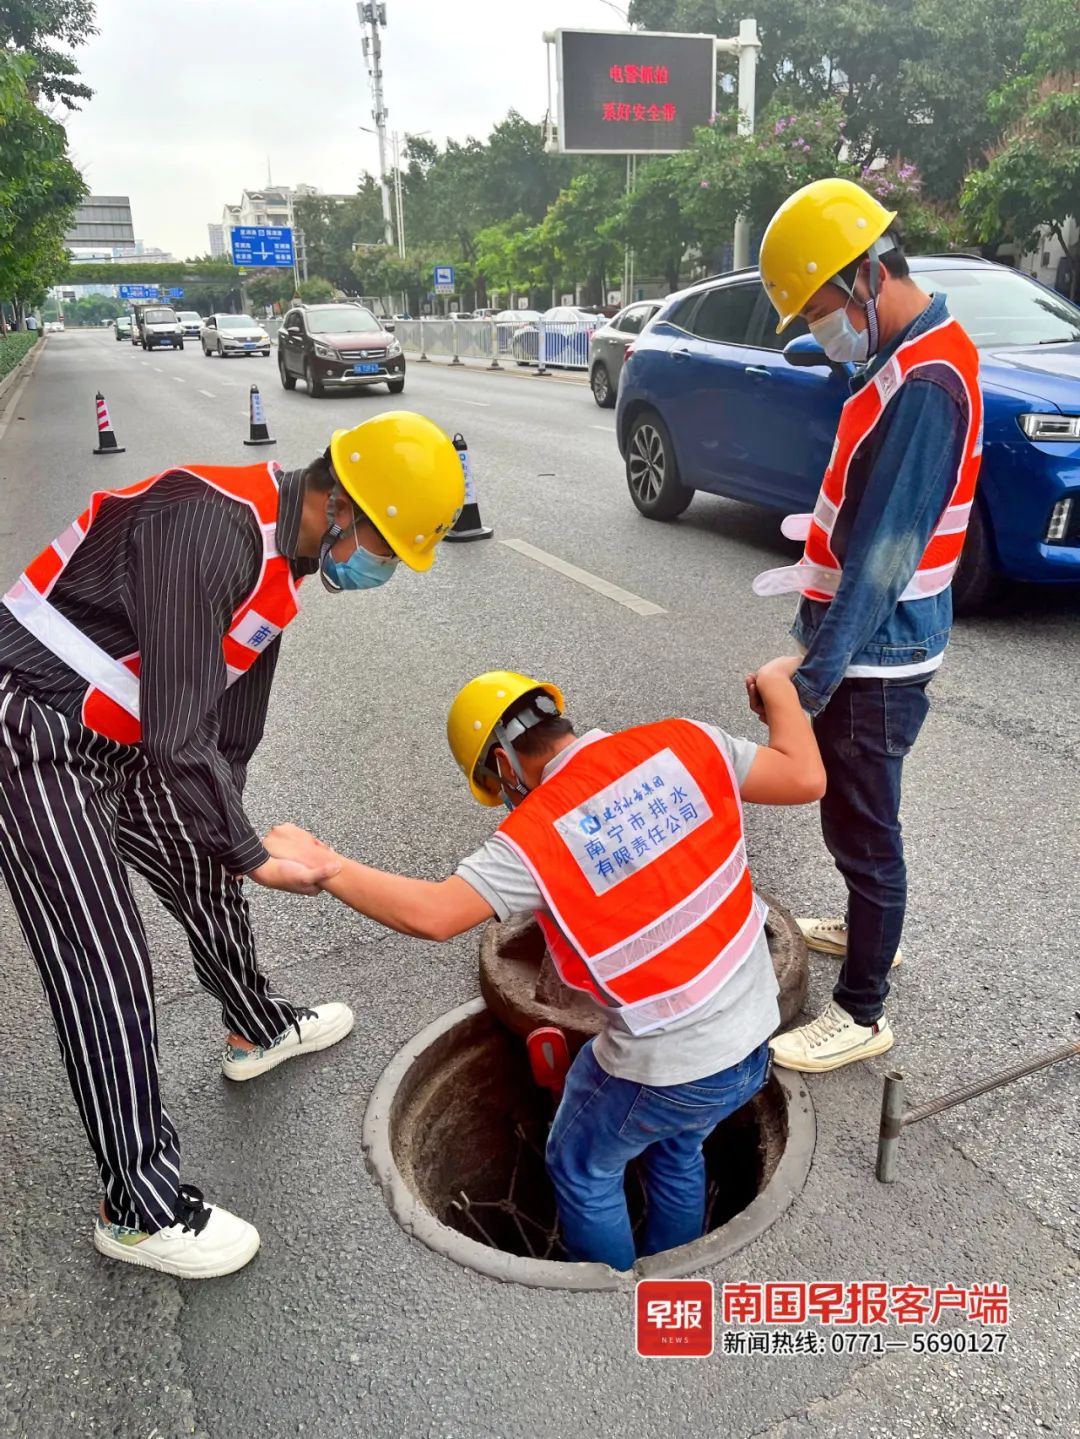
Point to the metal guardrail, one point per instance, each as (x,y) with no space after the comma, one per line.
(540,343)
(895,1118)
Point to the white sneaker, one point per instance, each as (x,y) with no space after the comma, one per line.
(314,1029)
(829,936)
(830,1041)
(203,1242)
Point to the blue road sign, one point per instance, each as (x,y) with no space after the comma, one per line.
(444,279)
(176,294)
(139,292)
(262,246)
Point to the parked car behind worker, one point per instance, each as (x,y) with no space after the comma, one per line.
(713,399)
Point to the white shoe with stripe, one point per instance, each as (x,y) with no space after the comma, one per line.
(830,1041)
(203,1242)
(314,1029)
(829,936)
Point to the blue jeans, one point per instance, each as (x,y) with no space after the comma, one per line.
(864,733)
(604,1122)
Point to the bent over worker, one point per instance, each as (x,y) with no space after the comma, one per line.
(630,850)
(137,654)
(881,549)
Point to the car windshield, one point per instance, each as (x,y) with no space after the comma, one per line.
(188,315)
(159,317)
(348,319)
(1000,307)
(236,322)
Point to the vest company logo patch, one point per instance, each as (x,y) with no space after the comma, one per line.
(634,821)
(255,631)
(888,382)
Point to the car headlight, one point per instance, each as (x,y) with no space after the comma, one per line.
(393,349)
(324,351)
(1051,427)
(263,339)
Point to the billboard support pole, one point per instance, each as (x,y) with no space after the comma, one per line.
(746,46)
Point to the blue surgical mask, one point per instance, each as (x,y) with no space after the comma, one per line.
(840,340)
(361,571)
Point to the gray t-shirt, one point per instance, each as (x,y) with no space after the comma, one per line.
(719,1034)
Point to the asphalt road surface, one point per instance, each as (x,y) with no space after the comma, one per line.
(344,1325)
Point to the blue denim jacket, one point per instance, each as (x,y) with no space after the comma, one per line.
(911,465)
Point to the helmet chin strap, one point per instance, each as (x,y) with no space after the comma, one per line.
(870,305)
(333,533)
(520,788)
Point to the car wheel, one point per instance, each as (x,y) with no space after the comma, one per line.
(652,474)
(396,386)
(265,354)
(288,381)
(180,345)
(600,381)
(314,386)
(977,579)
(205,351)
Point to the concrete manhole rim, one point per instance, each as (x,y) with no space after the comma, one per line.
(779,1193)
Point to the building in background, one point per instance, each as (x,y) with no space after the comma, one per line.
(101,223)
(272,205)
(219,247)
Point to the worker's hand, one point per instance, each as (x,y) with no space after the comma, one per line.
(290,841)
(757,704)
(295,877)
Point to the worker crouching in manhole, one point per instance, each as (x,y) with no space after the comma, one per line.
(629,849)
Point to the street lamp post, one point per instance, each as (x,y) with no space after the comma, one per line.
(746,46)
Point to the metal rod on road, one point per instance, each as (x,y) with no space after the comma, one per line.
(894,1119)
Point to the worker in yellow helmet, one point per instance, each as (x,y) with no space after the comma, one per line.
(137,653)
(629,849)
(880,552)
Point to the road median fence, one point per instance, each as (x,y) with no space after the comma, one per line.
(542,344)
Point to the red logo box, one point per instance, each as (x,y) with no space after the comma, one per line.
(674,1318)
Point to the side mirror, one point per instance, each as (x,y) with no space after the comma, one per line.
(805,352)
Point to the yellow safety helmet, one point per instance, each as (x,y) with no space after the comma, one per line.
(816,233)
(477,711)
(405,475)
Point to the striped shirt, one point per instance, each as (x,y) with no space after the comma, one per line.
(162,576)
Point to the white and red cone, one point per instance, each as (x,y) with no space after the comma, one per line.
(106,444)
(468,525)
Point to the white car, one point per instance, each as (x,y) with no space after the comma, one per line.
(192,321)
(227,335)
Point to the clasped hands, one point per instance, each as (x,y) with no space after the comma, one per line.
(298,863)
(758,685)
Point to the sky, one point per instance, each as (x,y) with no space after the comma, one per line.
(193,97)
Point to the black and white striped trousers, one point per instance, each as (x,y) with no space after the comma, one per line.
(75,810)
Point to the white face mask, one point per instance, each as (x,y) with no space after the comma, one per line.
(840,340)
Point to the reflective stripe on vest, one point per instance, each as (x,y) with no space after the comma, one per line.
(818,573)
(636,843)
(111,704)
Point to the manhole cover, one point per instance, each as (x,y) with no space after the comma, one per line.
(521,985)
(455,1130)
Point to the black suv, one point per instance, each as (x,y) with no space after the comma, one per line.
(338,347)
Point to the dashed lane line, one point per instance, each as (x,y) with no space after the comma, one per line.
(583,577)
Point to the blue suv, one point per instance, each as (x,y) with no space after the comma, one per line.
(711,398)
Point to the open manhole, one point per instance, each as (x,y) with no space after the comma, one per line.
(455,1131)
(520,983)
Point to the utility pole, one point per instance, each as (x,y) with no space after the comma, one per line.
(745,47)
(372,15)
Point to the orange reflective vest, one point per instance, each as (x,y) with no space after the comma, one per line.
(111,704)
(817,574)
(635,840)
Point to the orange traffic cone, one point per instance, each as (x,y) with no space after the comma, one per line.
(468,525)
(258,433)
(106,439)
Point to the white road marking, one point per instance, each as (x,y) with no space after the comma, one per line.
(583,577)
(480,404)
(179,381)
(209,394)
(606,429)
(158,369)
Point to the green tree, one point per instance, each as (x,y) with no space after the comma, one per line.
(574,231)
(655,219)
(30,25)
(316,290)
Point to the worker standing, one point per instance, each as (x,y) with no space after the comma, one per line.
(881,549)
(630,850)
(137,654)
